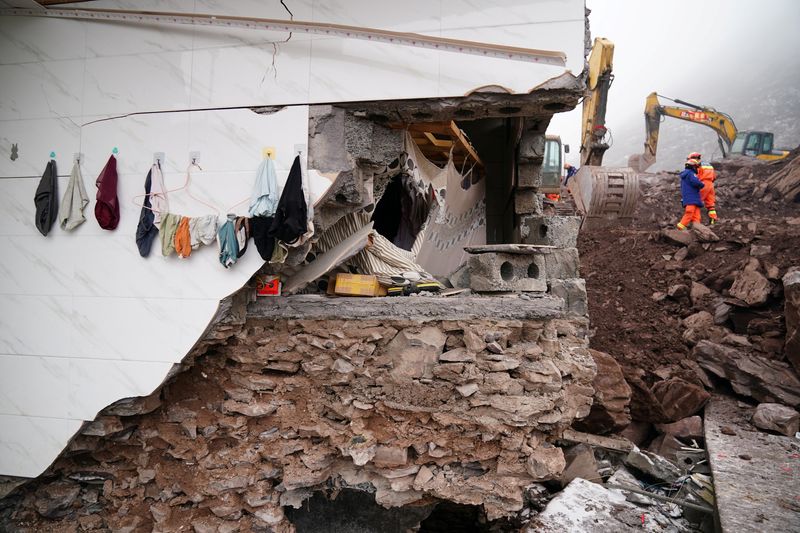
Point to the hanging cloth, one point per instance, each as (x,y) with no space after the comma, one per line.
(158,195)
(169,225)
(146,230)
(264,199)
(106,210)
(265,243)
(242,230)
(183,242)
(291,215)
(45,199)
(203,230)
(226,239)
(74,202)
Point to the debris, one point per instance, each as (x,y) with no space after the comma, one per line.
(791,291)
(777,417)
(580,463)
(612,395)
(679,398)
(652,465)
(691,427)
(619,444)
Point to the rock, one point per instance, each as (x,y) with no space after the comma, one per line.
(341,366)
(658,296)
(134,406)
(751,287)
(103,426)
(652,465)
(612,397)
(623,477)
(666,446)
(697,292)
(580,463)
(791,292)
(690,427)
(680,398)
(414,354)
(545,463)
(703,233)
(249,409)
(644,404)
(764,379)
(637,432)
(457,355)
(676,292)
(390,456)
(468,389)
(494,347)
(681,254)
(160,512)
(760,250)
(698,326)
(677,237)
(722,312)
(54,500)
(777,417)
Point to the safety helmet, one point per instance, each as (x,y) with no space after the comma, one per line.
(694,155)
(692,162)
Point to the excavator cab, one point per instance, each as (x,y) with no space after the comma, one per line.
(552,165)
(758,144)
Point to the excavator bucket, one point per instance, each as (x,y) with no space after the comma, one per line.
(605,195)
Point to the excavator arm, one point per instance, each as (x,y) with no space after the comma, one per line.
(599,79)
(654,112)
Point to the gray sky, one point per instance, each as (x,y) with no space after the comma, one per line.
(702,51)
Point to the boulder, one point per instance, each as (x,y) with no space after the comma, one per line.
(612,396)
(676,292)
(666,446)
(751,287)
(777,417)
(764,379)
(697,292)
(690,427)
(580,463)
(54,500)
(703,233)
(677,237)
(637,432)
(644,404)
(791,292)
(680,398)
(414,354)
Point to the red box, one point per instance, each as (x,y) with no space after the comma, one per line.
(268,286)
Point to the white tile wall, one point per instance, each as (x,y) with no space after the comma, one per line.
(84,320)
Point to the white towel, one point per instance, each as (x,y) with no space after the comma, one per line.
(158,195)
(74,202)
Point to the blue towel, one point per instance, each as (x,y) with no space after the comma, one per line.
(264,199)
(228,247)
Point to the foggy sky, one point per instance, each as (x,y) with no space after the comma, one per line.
(701,51)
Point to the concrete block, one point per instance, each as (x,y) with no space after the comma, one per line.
(559,231)
(562,263)
(573,292)
(529,175)
(527,202)
(496,272)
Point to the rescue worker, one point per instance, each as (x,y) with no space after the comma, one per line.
(707,175)
(571,171)
(690,194)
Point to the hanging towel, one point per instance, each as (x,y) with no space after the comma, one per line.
(279,254)
(309,210)
(74,202)
(146,230)
(183,242)
(264,199)
(291,215)
(46,199)
(169,225)
(226,239)
(158,195)
(106,210)
(242,229)
(203,230)
(265,243)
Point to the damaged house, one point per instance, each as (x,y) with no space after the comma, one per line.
(148,393)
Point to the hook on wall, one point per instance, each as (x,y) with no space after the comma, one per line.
(115,150)
(194,157)
(77,157)
(52,155)
(159,158)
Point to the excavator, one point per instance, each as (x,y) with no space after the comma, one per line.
(600,193)
(758,144)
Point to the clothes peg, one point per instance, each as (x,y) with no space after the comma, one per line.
(268,152)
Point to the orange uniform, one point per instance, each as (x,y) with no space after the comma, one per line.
(707,175)
(691,214)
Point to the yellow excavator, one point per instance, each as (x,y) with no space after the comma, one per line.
(600,193)
(758,144)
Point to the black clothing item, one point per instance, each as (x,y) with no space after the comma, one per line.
(146,231)
(388,212)
(46,199)
(260,228)
(402,211)
(242,224)
(291,216)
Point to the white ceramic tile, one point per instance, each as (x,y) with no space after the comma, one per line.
(97,383)
(34,265)
(353,70)
(251,75)
(419,16)
(17,210)
(29,444)
(54,39)
(35,140)
(34,386)
(137,138)
(463,14)
(111,38)
(139,82)
(41,90)
(36,325)
(300,9)
(232,140)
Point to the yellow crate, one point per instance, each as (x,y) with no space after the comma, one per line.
(358,285)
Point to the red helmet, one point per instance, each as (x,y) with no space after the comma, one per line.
(691,162)
(694,155)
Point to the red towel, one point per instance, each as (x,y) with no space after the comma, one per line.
(106,210)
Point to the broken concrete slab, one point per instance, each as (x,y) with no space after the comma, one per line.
(558,231)
(754,490)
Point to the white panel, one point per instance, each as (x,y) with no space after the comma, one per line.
(35,265)
(28,445)
(139,82)
(36,325)
(34,386)
(41,90)
(109,39)
(418,16)
(16,207)
(35,139)
(54,39)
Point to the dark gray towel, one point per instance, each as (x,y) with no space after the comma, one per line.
(46,199)
(146,231)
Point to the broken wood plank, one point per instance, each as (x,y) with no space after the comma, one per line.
(619,444)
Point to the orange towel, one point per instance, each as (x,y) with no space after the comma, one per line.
(183,241)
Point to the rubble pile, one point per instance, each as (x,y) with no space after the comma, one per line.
(688,312)
(412,411)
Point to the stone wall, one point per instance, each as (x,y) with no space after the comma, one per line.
(268,411)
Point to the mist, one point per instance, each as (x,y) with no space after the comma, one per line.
(737,56)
